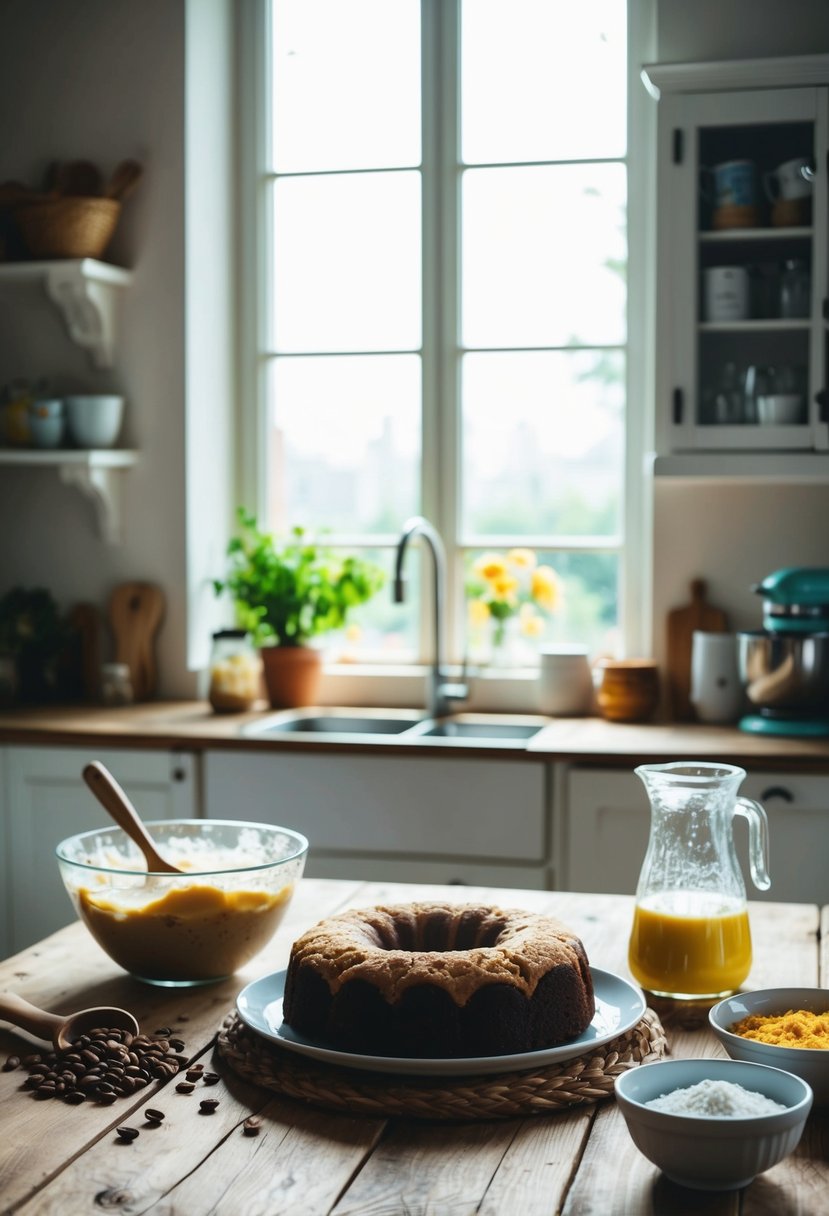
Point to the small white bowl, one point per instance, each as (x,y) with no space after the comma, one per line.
(780,409)
(46,432)
(707,1153)
(95,419)
(812,1064)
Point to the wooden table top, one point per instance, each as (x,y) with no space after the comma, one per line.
(64,1159)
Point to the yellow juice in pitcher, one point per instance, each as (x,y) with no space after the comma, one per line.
(690,944)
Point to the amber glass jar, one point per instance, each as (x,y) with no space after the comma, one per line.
(235,672)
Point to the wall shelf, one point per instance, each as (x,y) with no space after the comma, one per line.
(94,473)
(744,467)
(85,292)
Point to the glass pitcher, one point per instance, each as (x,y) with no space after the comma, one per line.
(690,938)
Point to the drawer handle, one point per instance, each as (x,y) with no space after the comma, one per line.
(777,791)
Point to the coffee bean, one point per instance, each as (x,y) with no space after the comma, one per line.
(11,1063)
(74,1097)
(251,1126)
(185,1087)
(127,1134)
(177,1044)
(105,1099)
(193,1074)
(157,1116)
(208,1105)
(164,1032)
(211,1078)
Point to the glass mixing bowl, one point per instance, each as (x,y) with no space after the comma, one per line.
(179,930)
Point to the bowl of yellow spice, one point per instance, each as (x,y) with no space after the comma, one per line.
(786,1028)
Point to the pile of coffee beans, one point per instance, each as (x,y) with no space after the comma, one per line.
(101,1066)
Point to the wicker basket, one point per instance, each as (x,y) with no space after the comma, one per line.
(70,227)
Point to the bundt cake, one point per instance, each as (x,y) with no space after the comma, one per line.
(438,980)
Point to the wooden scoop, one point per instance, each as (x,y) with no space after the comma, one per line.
(110,795)
(63,1031)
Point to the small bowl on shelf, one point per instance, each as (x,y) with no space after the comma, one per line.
(179,930)
(713,1152)
(94,419)
(809,1063)
(781,409)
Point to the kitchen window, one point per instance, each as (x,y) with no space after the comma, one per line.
(442,301)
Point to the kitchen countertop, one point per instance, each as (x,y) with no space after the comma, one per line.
(192,726)
(58,1159)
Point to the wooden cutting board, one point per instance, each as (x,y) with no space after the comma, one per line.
(135,614)
(682,622)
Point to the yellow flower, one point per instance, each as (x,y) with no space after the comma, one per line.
(522,559)
(353,633)
(505,587)
(530,623)
(490,566)
(545,588)
(478,613)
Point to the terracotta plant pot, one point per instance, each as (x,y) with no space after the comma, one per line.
(292,675)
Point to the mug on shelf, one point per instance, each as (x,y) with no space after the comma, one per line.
(791,180)
(733,183)
(727,293)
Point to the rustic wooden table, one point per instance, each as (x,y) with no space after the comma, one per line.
(66,1160)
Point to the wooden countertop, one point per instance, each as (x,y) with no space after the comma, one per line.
(192,725)
(56,1159)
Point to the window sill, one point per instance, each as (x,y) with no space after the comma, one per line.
(491,689)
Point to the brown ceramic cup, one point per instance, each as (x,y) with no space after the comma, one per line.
(627,689)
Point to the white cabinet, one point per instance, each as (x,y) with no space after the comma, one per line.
(414,819)
(44,800)
(608,823)
(710,371)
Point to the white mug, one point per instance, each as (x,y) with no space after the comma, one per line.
(565,682)
(791,180)
(726,293)
(716,688)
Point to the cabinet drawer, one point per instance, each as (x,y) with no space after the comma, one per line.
(387,804)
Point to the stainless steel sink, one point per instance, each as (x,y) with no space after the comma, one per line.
(329,724)
(402,726)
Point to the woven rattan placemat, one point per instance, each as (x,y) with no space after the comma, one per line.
(542,1091)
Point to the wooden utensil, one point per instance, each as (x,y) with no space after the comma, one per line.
(113,799)
(682,622)
(124,179)
(135,613)
(62,1030)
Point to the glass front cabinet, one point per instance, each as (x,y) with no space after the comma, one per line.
(742,264)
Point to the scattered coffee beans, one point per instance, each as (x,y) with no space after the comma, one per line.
(127,1134)
(251,1126)
(11,1063)
(101,1066)
(211,1078)
(185,1087)
(208,1105)
(154,1116)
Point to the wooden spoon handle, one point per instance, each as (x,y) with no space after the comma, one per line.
(28,1017)
(110,795)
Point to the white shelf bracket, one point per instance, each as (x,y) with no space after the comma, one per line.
(102,486)
(87,307)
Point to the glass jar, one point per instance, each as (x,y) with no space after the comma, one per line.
(235,672)
(795,289)
(116,684)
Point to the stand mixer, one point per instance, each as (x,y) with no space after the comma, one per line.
(785,666)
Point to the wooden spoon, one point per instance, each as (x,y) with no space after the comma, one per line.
(124,180)
(110,795)
(63,1031)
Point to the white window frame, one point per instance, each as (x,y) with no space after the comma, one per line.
(404,685)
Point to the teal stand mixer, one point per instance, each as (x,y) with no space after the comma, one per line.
(785,666)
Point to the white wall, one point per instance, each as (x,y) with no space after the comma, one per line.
(104,80)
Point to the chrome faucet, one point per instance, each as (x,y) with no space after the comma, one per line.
(440,692)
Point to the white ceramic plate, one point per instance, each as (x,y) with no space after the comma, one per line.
(619,1006)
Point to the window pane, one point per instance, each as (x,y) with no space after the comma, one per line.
(584,607)
(345,443)
(543,80)
(543,443)
(347,262)
(380,631)
(544,256)
(346,84)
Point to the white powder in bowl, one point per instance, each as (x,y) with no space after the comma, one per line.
(717,1100)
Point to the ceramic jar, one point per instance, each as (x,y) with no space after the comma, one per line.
(627,690)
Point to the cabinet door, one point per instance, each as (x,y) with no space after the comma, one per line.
(797,808)
(47,800)
(388,805)
(706,394)
(607,823)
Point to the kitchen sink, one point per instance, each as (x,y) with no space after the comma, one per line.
(402,727)
(329,724)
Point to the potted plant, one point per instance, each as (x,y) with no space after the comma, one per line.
(285,593)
